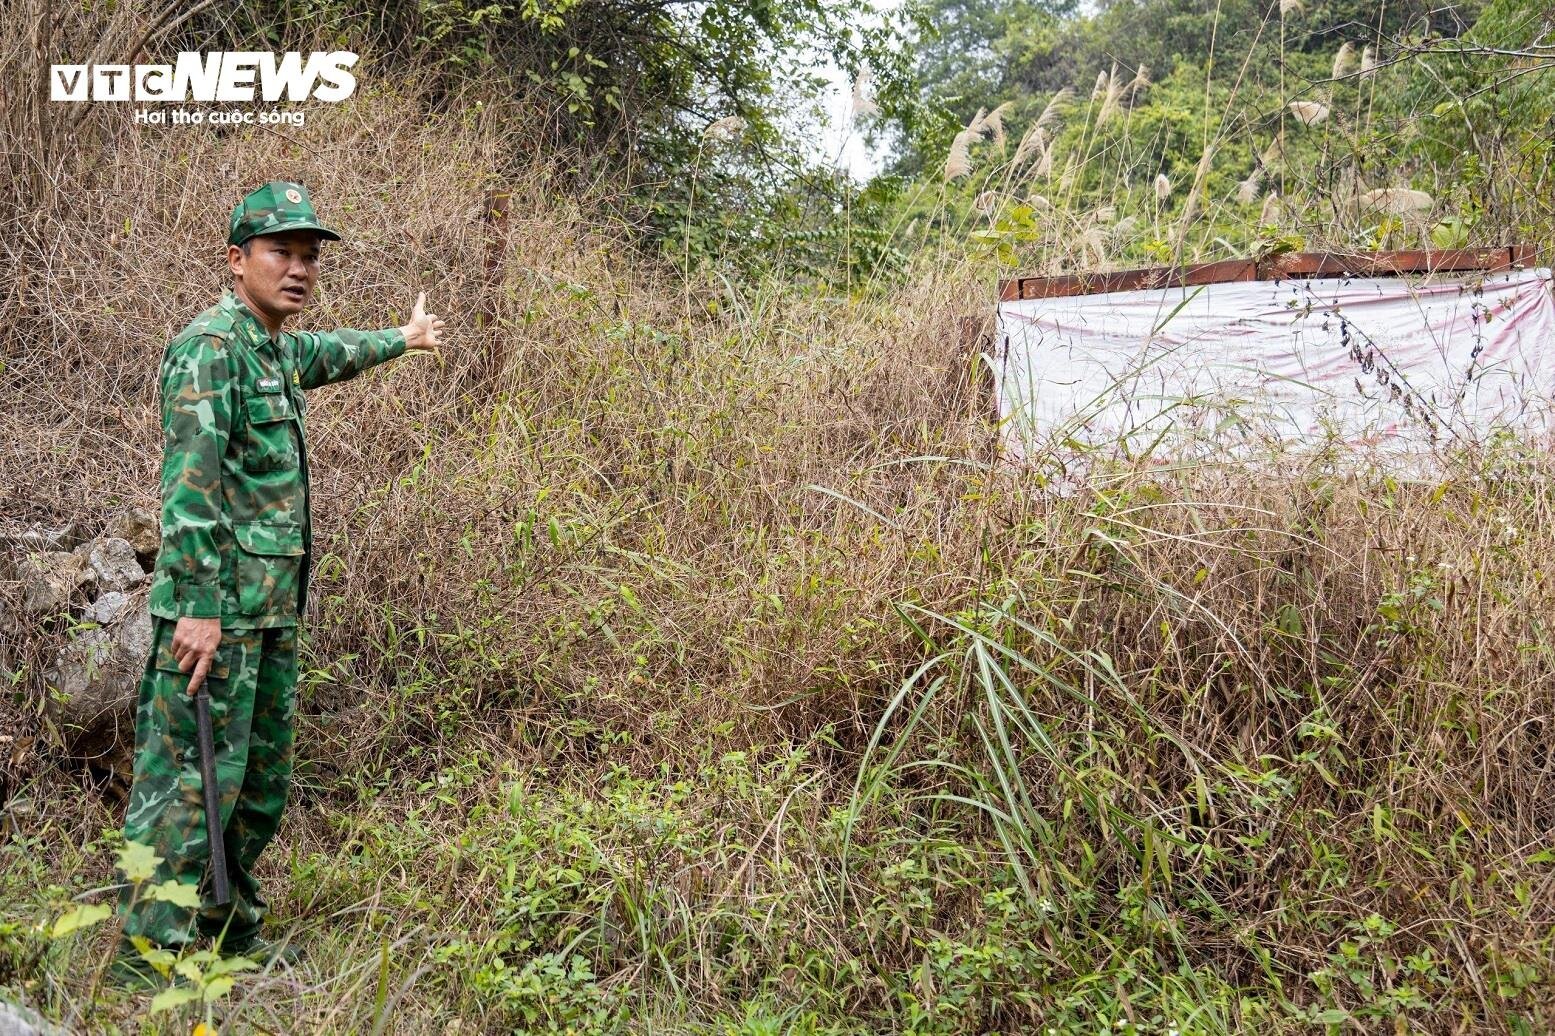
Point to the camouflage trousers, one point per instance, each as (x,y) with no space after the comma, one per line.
(253,689)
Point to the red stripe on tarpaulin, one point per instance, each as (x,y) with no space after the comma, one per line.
(1291,265)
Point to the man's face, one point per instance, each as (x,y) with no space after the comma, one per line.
(278,273)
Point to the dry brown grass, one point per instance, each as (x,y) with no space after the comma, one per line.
(674,448)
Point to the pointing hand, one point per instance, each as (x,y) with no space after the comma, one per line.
(424,332)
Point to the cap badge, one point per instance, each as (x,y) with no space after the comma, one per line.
(294,196)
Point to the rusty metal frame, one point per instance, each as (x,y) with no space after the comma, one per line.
(1275,268)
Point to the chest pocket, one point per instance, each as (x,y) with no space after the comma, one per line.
(272,442)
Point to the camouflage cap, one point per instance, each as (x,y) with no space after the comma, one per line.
(275,208)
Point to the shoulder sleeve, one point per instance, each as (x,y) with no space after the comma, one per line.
(330,356)
(198,395)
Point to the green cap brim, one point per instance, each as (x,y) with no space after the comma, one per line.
(296,224)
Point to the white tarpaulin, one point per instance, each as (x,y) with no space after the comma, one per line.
(1392,362)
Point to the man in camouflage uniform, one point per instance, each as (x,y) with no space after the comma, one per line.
(231,578)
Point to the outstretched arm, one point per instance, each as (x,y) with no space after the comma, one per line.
(330,356)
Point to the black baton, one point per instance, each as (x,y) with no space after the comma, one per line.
(213,834)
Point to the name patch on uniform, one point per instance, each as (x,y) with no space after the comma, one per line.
(269,384)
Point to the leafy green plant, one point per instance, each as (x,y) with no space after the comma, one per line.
(195,977)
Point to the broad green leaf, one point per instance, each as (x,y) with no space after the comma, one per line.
(190,970)
(219,987)
(177,893)
(175,996)
(227,965)
(160,959)
(138,862)
(83,915)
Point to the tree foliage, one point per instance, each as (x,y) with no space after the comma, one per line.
(1174,129)
(631,87)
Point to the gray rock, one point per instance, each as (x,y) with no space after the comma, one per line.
(39,539)
(143,531)
(18,1020)
(85,683)
(96,676)
(50,579)
(106,608)
(133,634)
(113,563)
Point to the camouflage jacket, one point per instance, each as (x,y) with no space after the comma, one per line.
(236,539)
